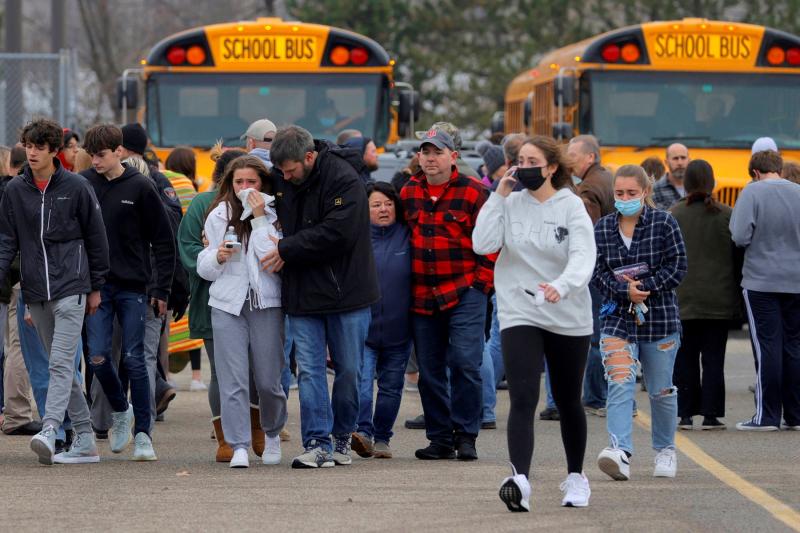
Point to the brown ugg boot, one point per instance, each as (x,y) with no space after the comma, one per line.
(224,452)
(256,433)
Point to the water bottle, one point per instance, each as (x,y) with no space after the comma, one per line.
(231,240)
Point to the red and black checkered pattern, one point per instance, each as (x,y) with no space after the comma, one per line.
(443,263)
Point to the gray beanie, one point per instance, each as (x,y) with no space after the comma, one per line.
(482,146)
(494,159)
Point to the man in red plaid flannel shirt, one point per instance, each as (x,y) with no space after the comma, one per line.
(450,286)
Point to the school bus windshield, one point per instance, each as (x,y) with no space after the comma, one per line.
(696,109)
(197,109)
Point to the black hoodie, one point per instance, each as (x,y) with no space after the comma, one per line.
(135,220)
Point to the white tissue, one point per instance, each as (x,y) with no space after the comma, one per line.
(243,194)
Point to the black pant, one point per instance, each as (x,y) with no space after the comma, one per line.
(775,333)
(701,396)
(524,349)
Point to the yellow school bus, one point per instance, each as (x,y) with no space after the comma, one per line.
(712,86)
(211,82)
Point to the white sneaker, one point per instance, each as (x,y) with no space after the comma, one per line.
(197,386)
(240,459)
(576,491)
(143,448)
(615,463)
(515,491)
(666,463)
(272,451)
(119,435)
(43,444)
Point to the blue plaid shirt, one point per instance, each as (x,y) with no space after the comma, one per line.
(657,241)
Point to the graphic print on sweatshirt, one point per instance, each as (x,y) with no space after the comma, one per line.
(548,231)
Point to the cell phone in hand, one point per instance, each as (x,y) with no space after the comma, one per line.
(233,246)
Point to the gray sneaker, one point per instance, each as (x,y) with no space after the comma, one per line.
(44,444)
(341,451)
(381,450)
(83,450)
(120,433)
(315,456)
(143,448)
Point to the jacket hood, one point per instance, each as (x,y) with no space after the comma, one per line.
(263,155)
(353,157)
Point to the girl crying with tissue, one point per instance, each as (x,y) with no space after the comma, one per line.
(245,301)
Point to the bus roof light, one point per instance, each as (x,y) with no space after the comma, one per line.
(195,55)
(630,53)
(176,55)
(776,55)
(610,53)
(793,56)
(340,55)
(359,56)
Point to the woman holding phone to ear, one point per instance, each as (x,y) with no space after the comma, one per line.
(545,240)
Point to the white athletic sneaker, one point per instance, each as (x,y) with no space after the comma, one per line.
(576,491)
(515,491)
(143,448)
(240,459)
(197,386)
(82,451)
(120,433)
(272,451)
(43,444)
(615,463)
(666,463)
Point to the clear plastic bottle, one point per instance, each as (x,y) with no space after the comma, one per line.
(231,240)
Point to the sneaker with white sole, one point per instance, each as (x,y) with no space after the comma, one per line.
(82,451)
(43,444)
(315,456)
(119,435)
(788,427)
(666,463)
(341,451)
(143,448)
(240,459)
(272,451)
(198,386)
(576,491)
(615,463)
(515,491)
(752,426)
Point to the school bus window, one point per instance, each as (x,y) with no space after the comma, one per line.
(198,102)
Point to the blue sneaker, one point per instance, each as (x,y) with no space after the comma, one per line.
(752,426)
(120,432)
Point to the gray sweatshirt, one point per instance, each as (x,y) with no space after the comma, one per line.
(765,222)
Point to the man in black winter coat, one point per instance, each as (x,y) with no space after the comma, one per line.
(329,283)
(53,218)
(136,222)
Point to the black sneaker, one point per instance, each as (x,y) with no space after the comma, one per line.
(489,424)
(31,428)
(100,434)
(503,385)
(686,423)
(551,413)
(710,423)
(64,445)
(416,423)
(434,452)
(465,449)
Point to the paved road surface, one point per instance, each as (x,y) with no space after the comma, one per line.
(185,490)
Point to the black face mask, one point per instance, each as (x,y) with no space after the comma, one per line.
(530,177)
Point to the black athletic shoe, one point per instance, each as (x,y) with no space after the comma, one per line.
(465,449)
(31,428)
(434,452)
(489,424)
(416,422)
(686,423)
(711,423)
(551,413)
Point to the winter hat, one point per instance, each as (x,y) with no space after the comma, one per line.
(134,138)
(494,159)
(763,144)
(482,146)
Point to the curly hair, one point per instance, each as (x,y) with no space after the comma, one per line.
(43,131)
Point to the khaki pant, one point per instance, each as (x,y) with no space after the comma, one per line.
(17,388)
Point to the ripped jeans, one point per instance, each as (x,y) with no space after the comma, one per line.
(620,360)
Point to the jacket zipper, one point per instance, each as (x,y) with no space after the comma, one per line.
(41,239)
(333,276)
(80,257)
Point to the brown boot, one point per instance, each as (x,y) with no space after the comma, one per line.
(224,452)
(257,434)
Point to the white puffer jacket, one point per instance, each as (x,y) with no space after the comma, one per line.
(232,280)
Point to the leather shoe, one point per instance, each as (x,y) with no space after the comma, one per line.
(465,449)
(417,422)
(435,452)
(31,428)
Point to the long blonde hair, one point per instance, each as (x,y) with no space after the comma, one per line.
(644,181)
(139,164)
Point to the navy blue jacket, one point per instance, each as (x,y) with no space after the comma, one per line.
(391,326)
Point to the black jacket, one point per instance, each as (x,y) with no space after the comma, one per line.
(326,237)
(135,220)
(59,234)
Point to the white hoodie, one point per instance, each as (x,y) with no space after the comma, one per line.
(232,280)
(550,242)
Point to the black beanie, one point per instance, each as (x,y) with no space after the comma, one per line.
(134,138)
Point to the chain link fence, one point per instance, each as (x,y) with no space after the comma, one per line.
(36,85)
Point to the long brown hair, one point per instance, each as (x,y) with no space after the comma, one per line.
(699,184)
(554,155)
(225,194)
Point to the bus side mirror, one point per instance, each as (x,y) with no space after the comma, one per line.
(498,122)
(127,93)
(407,111)
(562,130)
(564,91)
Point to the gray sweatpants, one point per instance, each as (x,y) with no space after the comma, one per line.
(59,324)
(252,339)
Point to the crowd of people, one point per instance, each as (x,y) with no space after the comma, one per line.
(296,263)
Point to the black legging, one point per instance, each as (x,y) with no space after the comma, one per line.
(524,349)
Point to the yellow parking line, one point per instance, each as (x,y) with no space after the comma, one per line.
(772,505)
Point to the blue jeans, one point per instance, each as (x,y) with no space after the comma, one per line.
(491,367)
(595,388)
(452,340)
(345,334)
(37,361)
(130,309)
(620,360)
(390,364)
